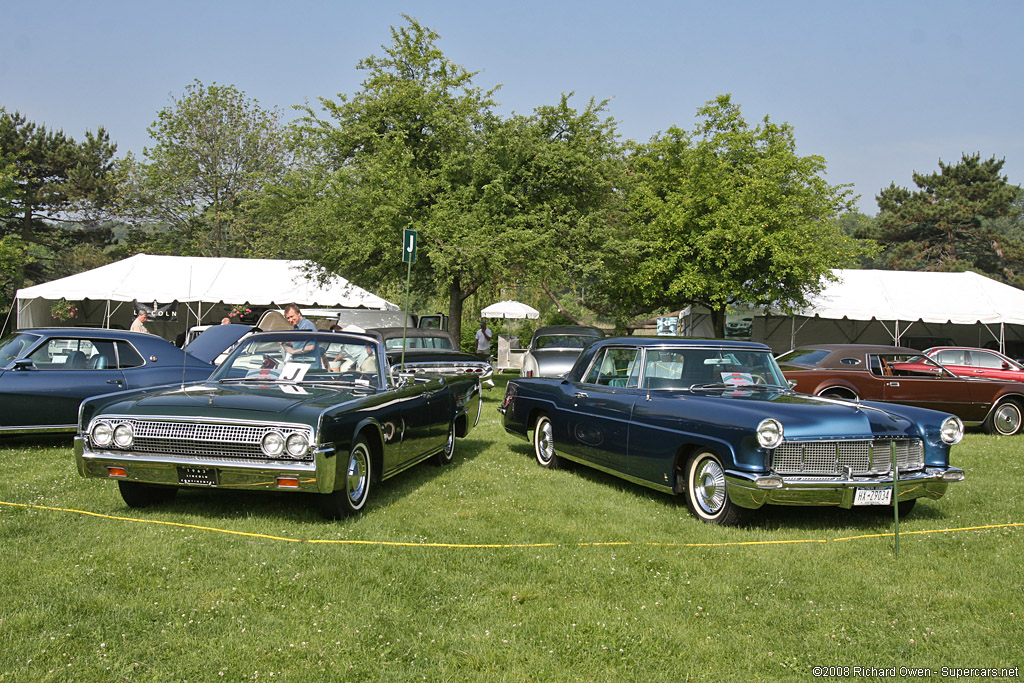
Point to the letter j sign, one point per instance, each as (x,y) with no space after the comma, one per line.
(409,238)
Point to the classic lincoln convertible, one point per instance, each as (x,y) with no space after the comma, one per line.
(716,422)
(292,411)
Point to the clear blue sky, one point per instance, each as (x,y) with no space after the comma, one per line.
(878,88)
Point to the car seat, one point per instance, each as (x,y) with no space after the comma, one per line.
(75,361)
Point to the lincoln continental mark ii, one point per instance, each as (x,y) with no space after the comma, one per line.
(717,423)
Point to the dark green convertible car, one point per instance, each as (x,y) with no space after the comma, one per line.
(294,411)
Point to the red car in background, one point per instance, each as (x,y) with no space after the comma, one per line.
(971,362)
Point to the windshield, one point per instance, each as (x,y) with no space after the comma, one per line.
(296,358)
(563,341)
(684,368)
(14,346)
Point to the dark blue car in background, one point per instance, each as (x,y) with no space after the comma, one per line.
(716,422)
(45,373)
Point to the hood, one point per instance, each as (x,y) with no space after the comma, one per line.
(802,416)
(241,401)
(215,340)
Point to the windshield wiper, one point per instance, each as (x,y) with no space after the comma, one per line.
(712,385)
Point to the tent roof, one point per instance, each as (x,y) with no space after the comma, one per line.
(145,277)
(963,298)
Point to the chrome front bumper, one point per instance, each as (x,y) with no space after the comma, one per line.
(752,491)
(155,468)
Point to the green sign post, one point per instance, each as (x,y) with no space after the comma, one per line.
(409,240)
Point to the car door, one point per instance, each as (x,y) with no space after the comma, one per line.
(63,371)
(421,426)
(989,364)
(598,409)
(931,387)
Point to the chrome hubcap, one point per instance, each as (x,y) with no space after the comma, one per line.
(709,487)
(545,442)
(1007,419)
(357,467)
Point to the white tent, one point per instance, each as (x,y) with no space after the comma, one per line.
(202,285)
(891,307)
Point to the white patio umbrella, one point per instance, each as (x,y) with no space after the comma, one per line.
(510,309)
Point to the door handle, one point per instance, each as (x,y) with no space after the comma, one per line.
(580,394)
(894,384)
(115,381)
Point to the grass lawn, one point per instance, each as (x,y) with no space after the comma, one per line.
(493,569)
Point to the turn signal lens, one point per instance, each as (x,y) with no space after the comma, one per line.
(117,472)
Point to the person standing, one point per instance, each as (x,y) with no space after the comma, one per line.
(483,339)
(139,324)
(303,350)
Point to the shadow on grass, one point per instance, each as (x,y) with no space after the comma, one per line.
(55,440)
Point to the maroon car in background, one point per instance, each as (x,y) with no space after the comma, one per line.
(895,374)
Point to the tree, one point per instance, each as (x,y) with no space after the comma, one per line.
(729,214)
(400,153)
(214,150)
(947,224)
(556,180)
(48,181)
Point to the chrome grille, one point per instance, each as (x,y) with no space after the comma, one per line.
(228,441)
(862,457)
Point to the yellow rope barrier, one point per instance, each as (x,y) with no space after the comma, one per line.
(410,544)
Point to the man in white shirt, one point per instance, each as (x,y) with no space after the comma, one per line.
(483,339)
(139,324)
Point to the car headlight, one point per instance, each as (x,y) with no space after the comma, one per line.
(297,444)
(124,435)
(952,430)
(769,433)
(102,434)
(272,444)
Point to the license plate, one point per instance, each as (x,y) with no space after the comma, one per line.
(880,496)
(197,476)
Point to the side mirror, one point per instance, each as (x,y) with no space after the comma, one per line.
(24,364)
